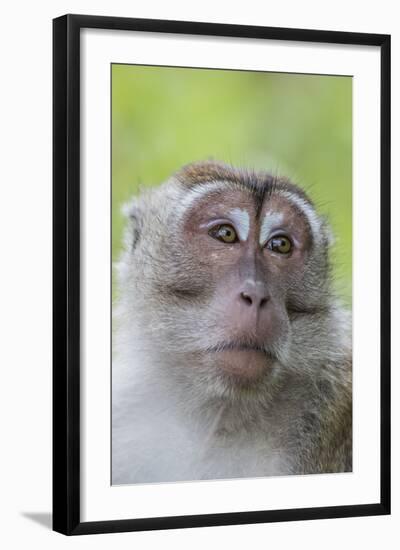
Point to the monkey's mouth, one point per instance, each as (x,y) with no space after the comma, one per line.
(237,346)
(243,361)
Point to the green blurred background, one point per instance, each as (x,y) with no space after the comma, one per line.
(294,125)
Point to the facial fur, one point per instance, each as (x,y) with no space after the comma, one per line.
(225,294)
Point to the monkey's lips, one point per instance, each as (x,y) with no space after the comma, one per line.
(242,362)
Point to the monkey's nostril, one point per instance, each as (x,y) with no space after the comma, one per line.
(246,298)
(253,299)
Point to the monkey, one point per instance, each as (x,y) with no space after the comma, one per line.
(232,352)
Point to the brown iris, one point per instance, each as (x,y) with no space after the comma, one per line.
(225,233)
(280,244)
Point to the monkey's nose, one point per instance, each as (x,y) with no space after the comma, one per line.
(254,296)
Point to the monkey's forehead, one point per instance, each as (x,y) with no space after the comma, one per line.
(259,183)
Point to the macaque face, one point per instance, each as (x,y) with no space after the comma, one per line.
(246,256)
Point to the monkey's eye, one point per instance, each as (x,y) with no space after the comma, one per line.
(225,233)
(280,244)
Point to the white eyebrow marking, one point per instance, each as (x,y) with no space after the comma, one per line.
(241,219)
(270,221)
(307,209)
(195,194)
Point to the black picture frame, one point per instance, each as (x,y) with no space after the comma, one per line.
(66,272)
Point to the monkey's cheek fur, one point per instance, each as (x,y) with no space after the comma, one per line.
(242,365)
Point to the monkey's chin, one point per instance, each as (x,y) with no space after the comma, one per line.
(244,366)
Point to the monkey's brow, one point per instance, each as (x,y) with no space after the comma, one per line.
(307,210)
(208,177)
(260,183)
(218,188)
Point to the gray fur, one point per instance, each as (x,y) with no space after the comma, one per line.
(173,421)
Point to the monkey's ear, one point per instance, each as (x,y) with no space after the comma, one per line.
(134,213)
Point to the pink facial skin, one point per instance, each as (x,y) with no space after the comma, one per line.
(247,282)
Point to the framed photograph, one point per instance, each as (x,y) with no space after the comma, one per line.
(221,274)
